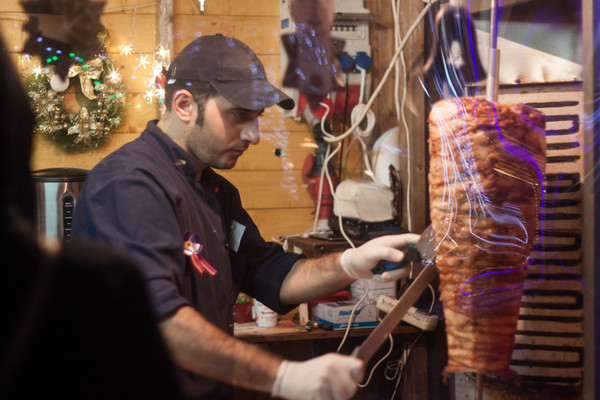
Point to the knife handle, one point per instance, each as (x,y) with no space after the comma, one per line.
(411,254)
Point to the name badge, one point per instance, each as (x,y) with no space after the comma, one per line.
(237,231)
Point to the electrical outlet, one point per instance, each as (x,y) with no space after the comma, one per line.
(414,316)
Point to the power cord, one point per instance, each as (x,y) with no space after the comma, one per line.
(359,113)
(382,359)
(385,76)
(398,366)
(401,104)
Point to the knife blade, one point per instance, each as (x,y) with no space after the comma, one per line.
(421,250)
(426,250)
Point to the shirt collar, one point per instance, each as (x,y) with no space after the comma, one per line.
(179,157)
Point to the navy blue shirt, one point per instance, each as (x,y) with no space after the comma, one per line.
(144,197)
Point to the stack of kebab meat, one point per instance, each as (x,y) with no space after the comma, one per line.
(486,166)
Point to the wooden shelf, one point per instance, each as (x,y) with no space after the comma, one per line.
(263,336)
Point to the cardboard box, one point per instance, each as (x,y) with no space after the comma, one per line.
(337,314)
(376,289)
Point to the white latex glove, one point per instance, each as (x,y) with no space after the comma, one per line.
(329,377)
(358,262)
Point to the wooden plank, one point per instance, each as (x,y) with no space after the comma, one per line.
(137,114)
(13,34)
(277,152)
(133,76)
(128,5)
(382,35)
(11,6)
(129,28)
(258,32)
(282,221)
(15,5)
(270,188)
(46,154)
(271,63)
(229,8)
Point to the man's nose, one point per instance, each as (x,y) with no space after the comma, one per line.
(251,133)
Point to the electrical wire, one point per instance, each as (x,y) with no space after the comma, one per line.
(129,7)
(351,318)
(357,116)
(382,359)
(386,75)
(402,363)
(401,104)
(360,116)
(357,119)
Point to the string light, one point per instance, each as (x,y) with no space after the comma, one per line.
(149,95)
(37,70)
(127,50)
(114,76)
(143,61)
(161,52)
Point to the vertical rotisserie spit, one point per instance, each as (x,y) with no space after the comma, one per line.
(486,166)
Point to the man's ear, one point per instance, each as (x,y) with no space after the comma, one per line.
(183,105)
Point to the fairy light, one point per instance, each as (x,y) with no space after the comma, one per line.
(127,50)
(161,52)
(149,96)
(159,93)
(153,64)
(143,61)
(114,76)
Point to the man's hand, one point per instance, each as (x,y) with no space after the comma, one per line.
(358,262)
(329,377)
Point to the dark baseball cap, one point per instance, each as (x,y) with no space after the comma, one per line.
(232,68)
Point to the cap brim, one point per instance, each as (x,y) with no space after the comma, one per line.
(255,95)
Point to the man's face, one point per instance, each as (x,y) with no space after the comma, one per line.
(226,131)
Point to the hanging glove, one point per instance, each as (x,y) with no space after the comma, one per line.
(329,377)
(359,262)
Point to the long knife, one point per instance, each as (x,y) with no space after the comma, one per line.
(426,249)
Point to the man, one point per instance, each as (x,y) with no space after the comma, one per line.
(158,198)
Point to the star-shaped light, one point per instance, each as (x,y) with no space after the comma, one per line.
(161,52)
(114,76)
(149,95)
(37,70)
(143,61)
(159,93)
(127,50)
(157,69)
(150,81)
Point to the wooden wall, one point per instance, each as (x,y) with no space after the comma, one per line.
(268,176)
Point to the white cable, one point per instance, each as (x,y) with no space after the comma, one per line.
(385,75)
(382,359)
(432,297)
(323,167)
(364,111)
(404,361)
(401,106)
(352,315)
(328,137)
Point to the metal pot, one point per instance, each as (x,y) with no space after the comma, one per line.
(56,193)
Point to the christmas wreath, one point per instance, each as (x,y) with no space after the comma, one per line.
(100,103)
